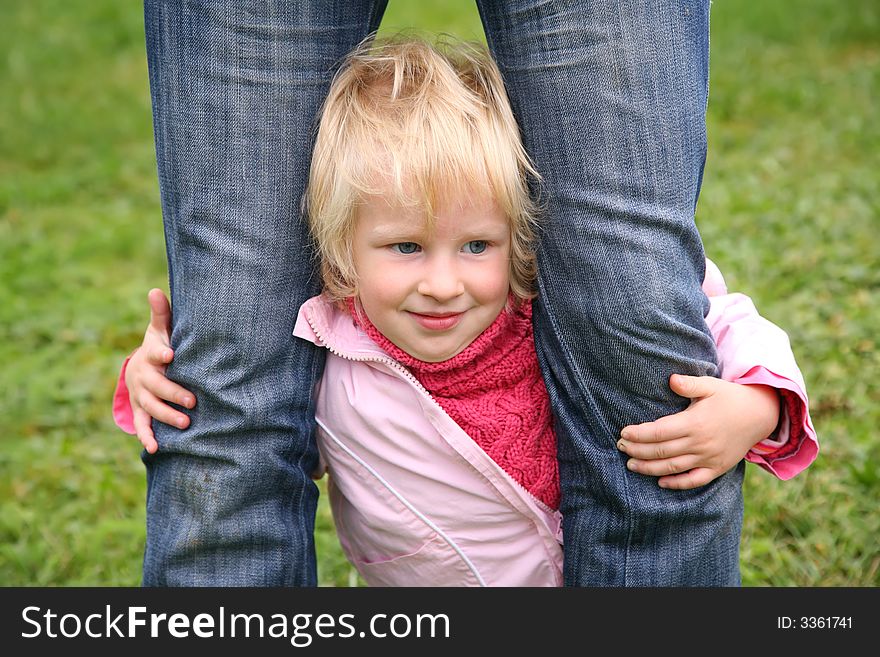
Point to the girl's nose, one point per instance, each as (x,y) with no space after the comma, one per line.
(441,282)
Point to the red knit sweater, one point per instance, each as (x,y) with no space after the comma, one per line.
(494,391)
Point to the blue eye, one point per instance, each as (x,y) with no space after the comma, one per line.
(406,248)
(476,246)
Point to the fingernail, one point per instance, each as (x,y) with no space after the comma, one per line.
(621,445)
(626,433)
(631,465)
(167,355)
(181,423)
(187,401)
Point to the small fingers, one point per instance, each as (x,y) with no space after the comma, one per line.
(144,430)
(666,428)
(654,451)
(156,345)
(160,310)
(687,480)
(164,388)
(664,467)
(159,355)
(693,387)
(156,349)
(161,411)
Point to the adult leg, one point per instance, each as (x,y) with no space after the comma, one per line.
(236,86)
(611,98)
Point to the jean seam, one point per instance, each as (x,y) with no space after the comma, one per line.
(567,355)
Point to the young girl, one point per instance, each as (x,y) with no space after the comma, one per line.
(433,421)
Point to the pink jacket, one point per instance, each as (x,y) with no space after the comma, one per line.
(417,503)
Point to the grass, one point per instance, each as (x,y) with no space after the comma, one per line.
(789,210)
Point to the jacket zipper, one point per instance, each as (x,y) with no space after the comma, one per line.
(397,367)
(387,360)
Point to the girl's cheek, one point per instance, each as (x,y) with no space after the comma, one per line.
(388,286)
(496,282)
(379,273)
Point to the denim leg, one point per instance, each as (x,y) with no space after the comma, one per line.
(236,86)
(611,99)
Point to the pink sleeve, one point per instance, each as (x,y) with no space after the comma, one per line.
(754,351)
(122,413)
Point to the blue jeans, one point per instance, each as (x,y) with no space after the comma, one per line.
(611,100)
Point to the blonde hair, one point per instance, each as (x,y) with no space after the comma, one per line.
(411,121)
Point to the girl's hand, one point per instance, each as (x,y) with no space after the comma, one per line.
(145,376)
(693,447)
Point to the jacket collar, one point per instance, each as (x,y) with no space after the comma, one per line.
(327,324)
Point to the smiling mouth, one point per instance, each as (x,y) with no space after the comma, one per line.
(437,322)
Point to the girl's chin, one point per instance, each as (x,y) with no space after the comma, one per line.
(432,355)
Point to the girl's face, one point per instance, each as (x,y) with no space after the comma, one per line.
(432,292)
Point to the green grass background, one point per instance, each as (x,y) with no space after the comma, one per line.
(789,210)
